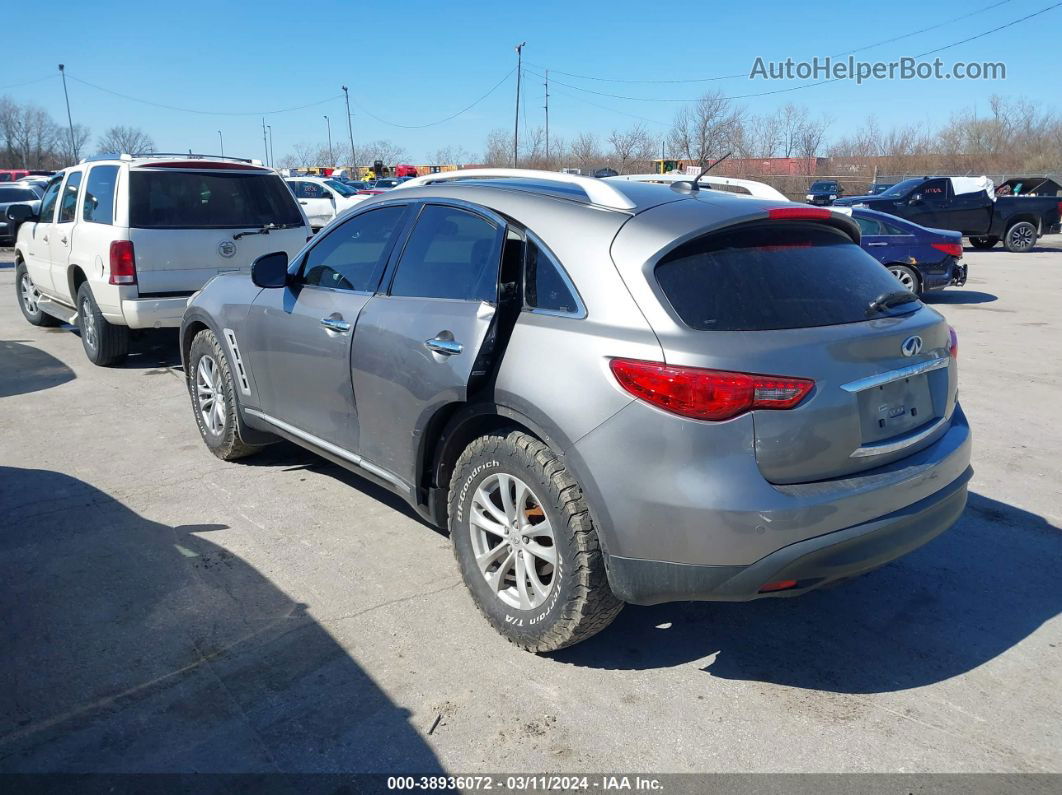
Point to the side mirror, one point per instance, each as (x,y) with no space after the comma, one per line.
(19,213)
(916,199)
(270,270)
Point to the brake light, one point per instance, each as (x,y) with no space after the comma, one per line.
(953,343)
(951,249)
(781,585)
(798,213)
(123,263)
(707,394)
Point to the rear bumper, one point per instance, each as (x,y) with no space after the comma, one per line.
(154,312)
(812,563)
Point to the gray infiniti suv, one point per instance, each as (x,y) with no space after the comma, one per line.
(606,391)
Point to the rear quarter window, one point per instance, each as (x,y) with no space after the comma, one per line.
(771,276)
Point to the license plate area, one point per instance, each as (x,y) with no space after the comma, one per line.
(895,408)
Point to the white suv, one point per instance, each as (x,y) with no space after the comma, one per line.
(322,199)
(121,242)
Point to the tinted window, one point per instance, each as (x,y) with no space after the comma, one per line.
(352,255)
(544,286)
(901,189)
(890,229)
(309,190)
(17,195)
(48,201)
(772,277)
(868,226)
(935,189)
(341,188)
(97,205)
(201,200)
(451,254)
(68,205)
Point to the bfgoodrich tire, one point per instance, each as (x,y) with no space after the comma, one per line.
(105,343)
(526,544)
(28,297)
(213,394)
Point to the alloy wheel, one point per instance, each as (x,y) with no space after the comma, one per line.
(1021,236)
(88,324)
(905,278)
(513,542)
(210,395)
(30,295)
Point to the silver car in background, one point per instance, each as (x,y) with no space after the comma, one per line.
(607,391)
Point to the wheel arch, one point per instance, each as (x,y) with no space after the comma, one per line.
(75,277)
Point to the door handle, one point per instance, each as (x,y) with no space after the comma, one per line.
(876,244)
(302,202)
(45,238)
(335,324)
(445,347)
(62,239)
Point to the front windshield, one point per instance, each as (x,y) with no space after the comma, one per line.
(824,186)
(341,188)
(900,189)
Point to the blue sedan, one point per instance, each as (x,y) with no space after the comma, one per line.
(922,259)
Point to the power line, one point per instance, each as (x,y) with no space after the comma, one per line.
(745,74)
(201,112)
(465,109)
(610,110)
(27,82)
(820,82)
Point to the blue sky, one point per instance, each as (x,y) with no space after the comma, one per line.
(416,62)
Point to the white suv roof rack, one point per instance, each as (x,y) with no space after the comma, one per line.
(598,191)
(758,190)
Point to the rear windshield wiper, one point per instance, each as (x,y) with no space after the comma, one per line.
(265,230)
(889,300)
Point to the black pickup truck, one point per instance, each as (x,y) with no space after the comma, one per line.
(967,205)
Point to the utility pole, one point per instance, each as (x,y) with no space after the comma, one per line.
(69,120)
(547,118)
(221,140)
(265,142)
(331,157)
(350,128)
(516,124)
(272,160)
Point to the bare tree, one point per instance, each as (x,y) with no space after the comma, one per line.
(386,151)
(498,151)
(81,135)
(454,155)
(30,135)
(632,150)
(705,130)
(126,140)
(584,153)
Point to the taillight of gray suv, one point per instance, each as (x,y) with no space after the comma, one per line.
(608,392)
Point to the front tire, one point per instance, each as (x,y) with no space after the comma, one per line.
(213,393)
(526,544)
(105,343)
(1021,237)
(908,277)
(28,296)
(984,243)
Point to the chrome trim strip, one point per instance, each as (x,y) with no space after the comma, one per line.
(896,375)
(346,455)
(891,447)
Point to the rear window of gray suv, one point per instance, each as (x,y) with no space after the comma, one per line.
(200,200)
(772,276)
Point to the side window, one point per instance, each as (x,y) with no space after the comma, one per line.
(97,205)
(299,189)
(545,285)
(868,226)
(68,204)
(352,255)
(48,201)
(311,190)
(451,253)
(935,190)
(893,230)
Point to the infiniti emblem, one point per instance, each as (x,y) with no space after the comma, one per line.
(227,249)
(911,345)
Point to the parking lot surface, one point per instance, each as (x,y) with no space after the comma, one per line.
(166,611)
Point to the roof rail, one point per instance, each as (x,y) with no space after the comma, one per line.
(190,155)
(759,190)
(597,191)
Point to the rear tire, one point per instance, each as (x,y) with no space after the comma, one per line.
(28,296)
(908,277)
(984,243)
(213,393)
(542,583)
(1020,237)
(105,343)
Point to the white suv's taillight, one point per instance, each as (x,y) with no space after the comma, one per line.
(123,263)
